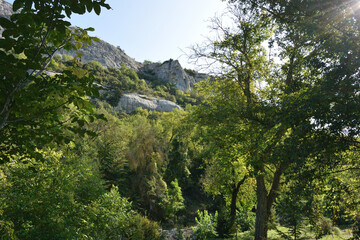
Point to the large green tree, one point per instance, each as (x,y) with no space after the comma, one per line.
(300,109)
(32,101)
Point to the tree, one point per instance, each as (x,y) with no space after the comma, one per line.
(306,108)
(147,154)
(237,103)
(225,160)
(43,200)
(31,100)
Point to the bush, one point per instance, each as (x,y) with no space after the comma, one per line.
(356,228)
(108,217)
(206,225)
(225,227)
(111,217)
(40,200)
(143,228)
(174,200)
(7,230)
(323,227)
(245,219)
(190,72)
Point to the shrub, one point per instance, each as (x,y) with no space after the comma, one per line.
(323,227)
(41,200)
(356,228)
(206,225)
(38,199)
(108,217)
(7,230)
(225,226)
(190,72)
(245,219)
(174,201)
(143,228)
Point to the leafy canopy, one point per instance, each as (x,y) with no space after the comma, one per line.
(32,100)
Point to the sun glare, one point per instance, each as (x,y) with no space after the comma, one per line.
(356,7)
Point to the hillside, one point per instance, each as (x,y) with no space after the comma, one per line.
(108,55)
(156,93)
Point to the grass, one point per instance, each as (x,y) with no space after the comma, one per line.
(274,235)
(344,234)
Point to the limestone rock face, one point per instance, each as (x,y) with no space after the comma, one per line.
(110,56)
(171,71)
(100,51)
(106,54)
(5,11)
(131,101)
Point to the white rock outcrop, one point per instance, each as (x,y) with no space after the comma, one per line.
(171,71)
(131,101)
(106,54)
(5,11)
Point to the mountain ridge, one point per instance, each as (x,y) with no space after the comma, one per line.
(108,55)
(168,73)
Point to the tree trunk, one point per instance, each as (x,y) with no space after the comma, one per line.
(235,192)
(262,217)
(265,202)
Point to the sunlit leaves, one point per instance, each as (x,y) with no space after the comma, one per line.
(32,102)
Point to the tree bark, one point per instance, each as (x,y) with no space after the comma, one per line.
(236,189)
(265,202)
(262,217)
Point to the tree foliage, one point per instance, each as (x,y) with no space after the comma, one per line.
(43,200)
(298,112)
(32,101)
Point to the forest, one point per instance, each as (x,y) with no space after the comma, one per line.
(267,148)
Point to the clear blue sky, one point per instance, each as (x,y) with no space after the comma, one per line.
(153,30)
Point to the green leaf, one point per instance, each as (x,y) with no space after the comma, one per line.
(6,23)
(97,9)
(81,9)
(90,29)
(17,4)
(28,4)
(89,6)
(68,12)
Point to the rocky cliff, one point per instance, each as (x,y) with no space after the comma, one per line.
(168,72)
(171,71)
(106,54)
(100,51)
(113,57)
(131,101)
(5,11)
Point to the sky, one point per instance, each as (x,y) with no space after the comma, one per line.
(154,30)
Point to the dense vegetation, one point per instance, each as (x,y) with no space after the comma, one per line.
(267,150)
